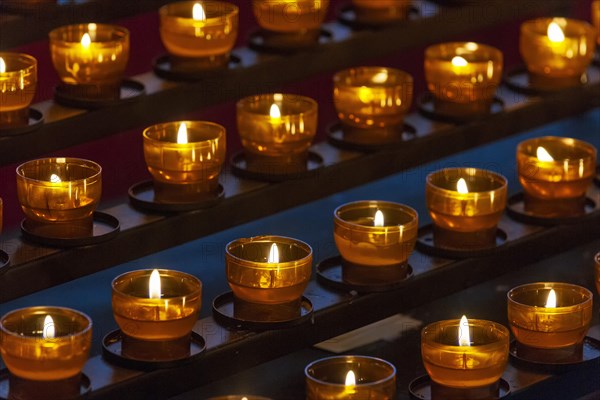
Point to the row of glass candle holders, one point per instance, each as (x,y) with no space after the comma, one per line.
(52,343)
(91,58)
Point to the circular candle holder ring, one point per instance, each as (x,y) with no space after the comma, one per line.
(150,355)
(41,390)
(259,42)
(518,80)
(426,244)
(421,389)
(556,361)
(330,273)
(348,16)
(36,119)
(426,107)
(515,208)
(4,261)
(240,167)
(336,137)
(105,227)
(238,314)
(143,196)
(163,68)
(130,91)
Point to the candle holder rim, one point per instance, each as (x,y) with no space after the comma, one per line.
(54,37)
(230,10)
(350,358)
(49,308)
(28,69)
(404,77)
(97,167)
(530,25)
(486,172)
(414,222)
(472,321)
(220,135)
(589,296)
(259,265)
(241,105)
(144,272)
(573,142)
(433,50)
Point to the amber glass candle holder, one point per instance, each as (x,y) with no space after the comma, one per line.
(557,51)
(239,397)
(169,315)
(597,271)
(59,190)
(480,363)
(596,17)
(18,81)
(199,34)
(536,325)
(362,241)
(45,343)
(463,76)
(467,216)
(372,100)
(254,279)
(555,173)
(90,59)
(381,11)
(277,129)
(329,378)
(185,157)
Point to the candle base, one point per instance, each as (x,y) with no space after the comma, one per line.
(444,111)
(276,169)
(464,240)
(92,91)
(519,210)
(556,360)
(450,244)
(339,274)
(423,388)
(463,110)
(366,140)
(549,84)
(129,352)
(33,121)
(382,16)
(189,192)
(14,388)
(555,208)
(145,195)
(236,313)
(14,119)
(165,67)
(191,65)
(285,43)
(98,96)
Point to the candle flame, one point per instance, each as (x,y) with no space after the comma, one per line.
(350,379)
(154,285)
(198,13)
(551,301)
(2,65)
(379,220)
(86,40)
(543,155)
(461,186)
(464,337)
(49,331)
(273,254)
(55,178)
(275,112)
(555,33)
(182,134)
(458,61)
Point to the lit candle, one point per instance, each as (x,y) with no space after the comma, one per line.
(466,201)
(375,233)
(381,11)
(463,76)
(277,126)
(465,353)
(45,343)
(350,377)
(372,97)
(290,15)
(205,31)
(185,153)
(90,59)
(18,81)
(268,269)
(156,304)
(557,51)
(52,190)
(555,169)
(549,315)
